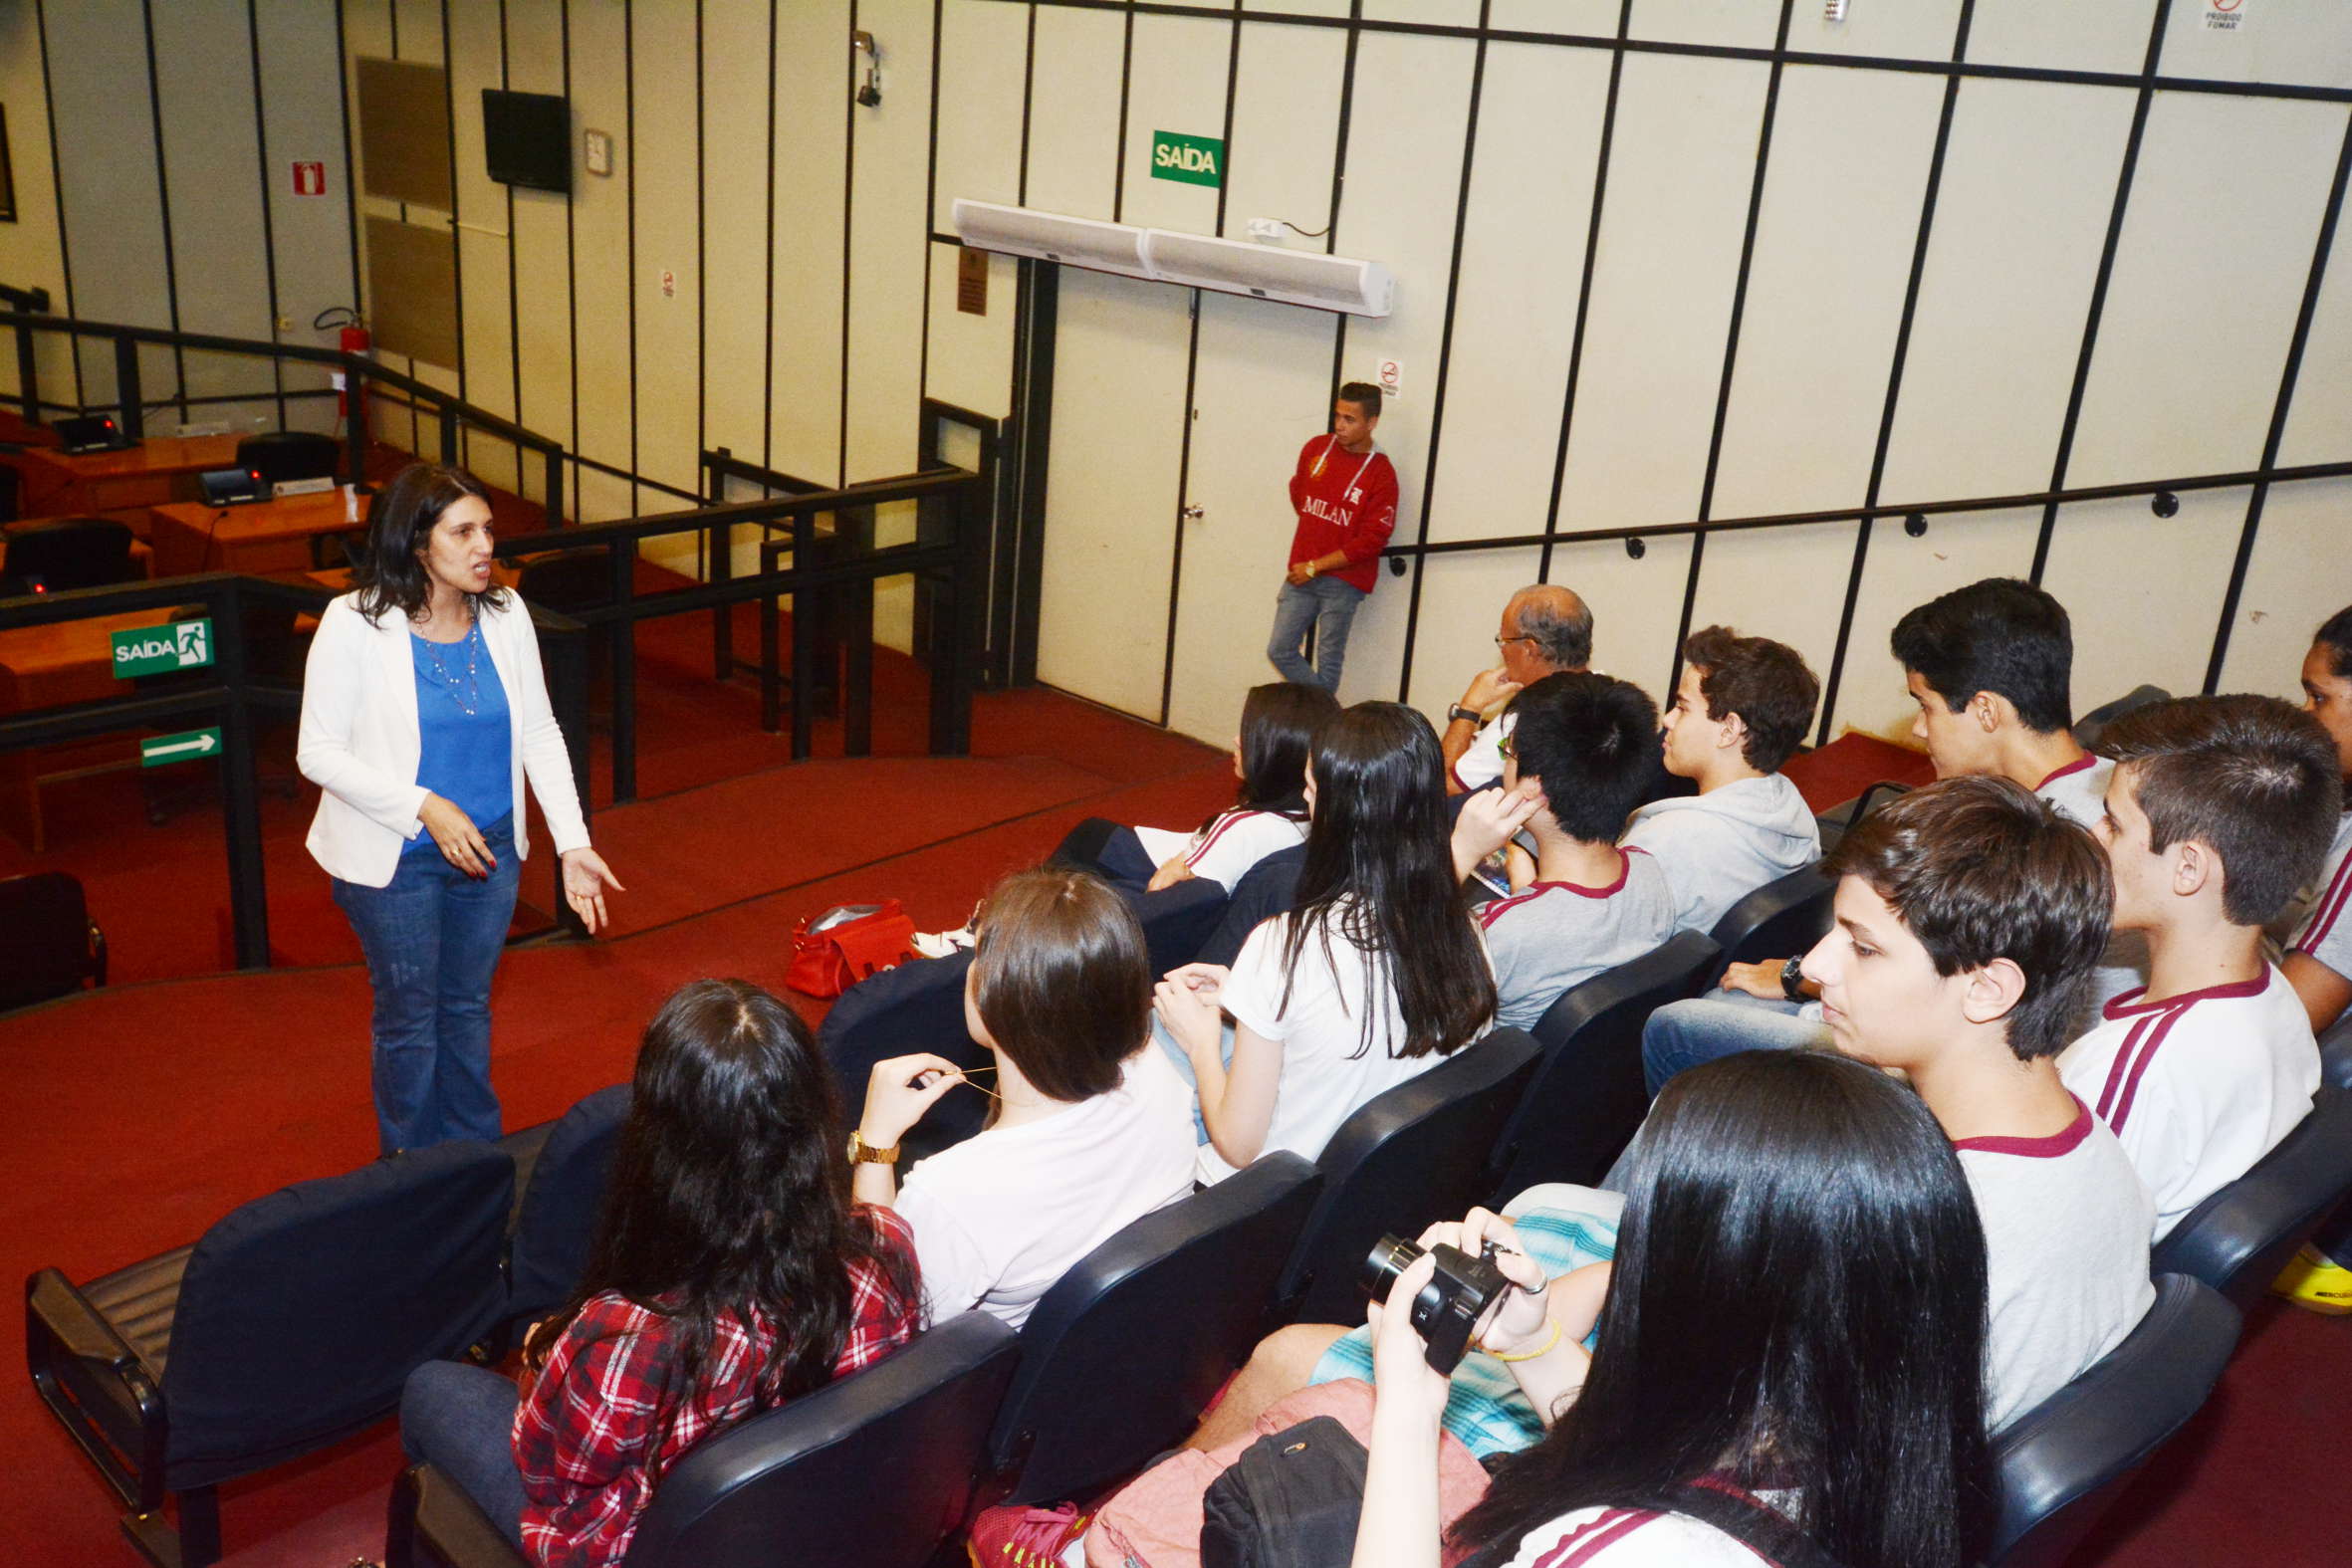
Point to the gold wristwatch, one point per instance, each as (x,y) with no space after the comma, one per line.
(863,1152)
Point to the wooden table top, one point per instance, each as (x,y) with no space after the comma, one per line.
(155,455)
(294,516)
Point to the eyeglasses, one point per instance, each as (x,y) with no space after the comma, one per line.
(1506,641)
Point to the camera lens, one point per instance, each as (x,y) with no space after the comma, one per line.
(1391,1256)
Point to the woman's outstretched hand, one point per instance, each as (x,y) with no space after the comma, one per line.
(585,877)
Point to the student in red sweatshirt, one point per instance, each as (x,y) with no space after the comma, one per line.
(1344,492)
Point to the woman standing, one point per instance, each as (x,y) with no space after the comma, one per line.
(424,707)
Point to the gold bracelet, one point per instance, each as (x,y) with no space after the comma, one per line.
(1530,1355)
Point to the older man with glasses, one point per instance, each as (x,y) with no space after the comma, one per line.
(1546,629)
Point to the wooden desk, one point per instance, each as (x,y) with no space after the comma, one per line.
(42,668)
(262,536)
(124,483)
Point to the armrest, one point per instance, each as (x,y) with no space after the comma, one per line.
(73,1323)
(450,1528)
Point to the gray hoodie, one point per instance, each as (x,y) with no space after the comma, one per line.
(1716,848)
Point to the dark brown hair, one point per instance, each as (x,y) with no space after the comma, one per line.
(1063,980)
(1978,869)
(2335,635)
(1765,682)
(1363,394)
(401,519)
(2253,777)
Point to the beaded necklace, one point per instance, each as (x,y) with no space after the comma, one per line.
(465,685)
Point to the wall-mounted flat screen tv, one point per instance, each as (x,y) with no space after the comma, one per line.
(526,139)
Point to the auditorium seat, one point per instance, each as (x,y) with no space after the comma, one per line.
(1784,916)
(1410,1156)
(879,1470)
(2061,1465)
(49,945)
(1589,1095)
(1123,1353)
(561,1194)
(288,1325)
(2238,1238)
(69,553)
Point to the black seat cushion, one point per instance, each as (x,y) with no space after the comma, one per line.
(555,1219)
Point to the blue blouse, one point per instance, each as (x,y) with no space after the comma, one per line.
(461,719)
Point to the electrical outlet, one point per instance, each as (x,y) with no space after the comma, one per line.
(1267,231)
(1834,10)
(597,149)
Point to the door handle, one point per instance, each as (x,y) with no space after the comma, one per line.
(1193,514)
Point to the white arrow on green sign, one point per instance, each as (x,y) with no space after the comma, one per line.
(186,746)
(159,651)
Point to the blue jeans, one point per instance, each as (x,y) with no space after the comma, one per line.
(432,940)
(1683,1034)
(460,1420)
(1325,604)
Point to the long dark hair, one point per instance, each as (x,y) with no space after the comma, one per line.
(729,1197)
(401,519)
(1279,722)
(1797,1303)
(1380,868)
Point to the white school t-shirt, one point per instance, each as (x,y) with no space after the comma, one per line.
(2325,933)
(1553,934)
(1226,848)
(2067,1226)
(999,1218)
(2198,1087)
(1605,1537)
(1328,1069)
(1482,763)
(2079,791)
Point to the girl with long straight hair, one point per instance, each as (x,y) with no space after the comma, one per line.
(1374,974)
(1789,1359)
(730,1274)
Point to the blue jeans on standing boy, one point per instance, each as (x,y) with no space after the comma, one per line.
(432,940)
(1326,605)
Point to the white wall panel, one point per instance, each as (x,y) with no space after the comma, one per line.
(1286,105)
(542,238)
(1745,23)
(1300,7)
(2309,44)
(1903,572)
(2081,35)
(1908,29)
(1833,245)
(2319,419)
(972,356)
(477,51)
(1786,583)
(669,347)
(983,47)
(812,148)
(212,182)
(1178,85)
(33,250)
(1522,256)
(1404,182)
(309,236)
(890,254)
(735,195)
(601,242)
(1110,491)
(2011,263)
(1462,599)
(1681,165)
(2143,591)
(1073,112)
(2187,366)
(1582,18)
(1439,13)
(2297,579)
(419,38)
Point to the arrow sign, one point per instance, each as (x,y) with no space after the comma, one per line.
(185,747)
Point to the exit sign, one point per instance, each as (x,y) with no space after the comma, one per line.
(157,650)
(1196,161)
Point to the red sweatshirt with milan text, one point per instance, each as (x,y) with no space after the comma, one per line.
(1344,502)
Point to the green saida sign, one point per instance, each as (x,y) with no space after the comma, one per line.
(1196,161)
(159,651)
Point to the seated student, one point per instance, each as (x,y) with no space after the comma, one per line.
(1737,1410)
(1376,974)
(1091,1128)
(2217,809)
(1969,919)
(1279,720)
(730,1275)
(1990,666)
(1573,764)
(2318,959)
(1546,629)
(1740,712)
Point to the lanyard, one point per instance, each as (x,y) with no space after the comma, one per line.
(1325,456)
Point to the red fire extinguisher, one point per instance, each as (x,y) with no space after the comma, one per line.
(352,401)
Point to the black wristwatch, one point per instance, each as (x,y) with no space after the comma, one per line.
(1792,975)
(1457,711)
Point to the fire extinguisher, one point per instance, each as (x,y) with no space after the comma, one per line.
(352,401)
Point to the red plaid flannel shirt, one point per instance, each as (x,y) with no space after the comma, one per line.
(585,1429)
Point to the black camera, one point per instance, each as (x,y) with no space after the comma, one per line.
(1449,1307)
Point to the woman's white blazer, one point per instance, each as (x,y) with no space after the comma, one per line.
(360,742)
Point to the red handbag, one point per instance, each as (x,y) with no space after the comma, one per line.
(829,960)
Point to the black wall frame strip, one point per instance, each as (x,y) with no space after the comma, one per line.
(1029,88)
(849,238)
(628,100)
(1355,9)
(1445,350)
(1886,418)
(2320,250)
(179,359)
(57,185)
(1730,352)
(930,208)
(702,292)
(2098,305)
(572,296)
(456,235)
(1118,163)
(768,293)
(268,232)
(1600,192)
(514,291)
